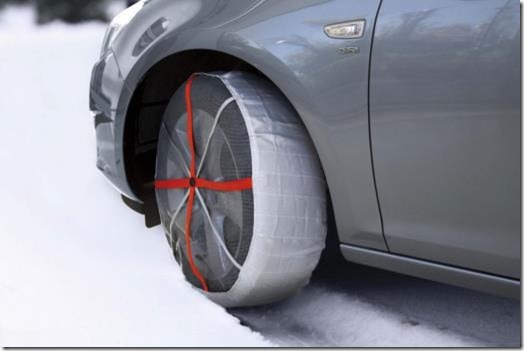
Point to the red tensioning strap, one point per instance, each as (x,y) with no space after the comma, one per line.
(172,184)
(190,139)
(192,264)
(185,183)
(192,183)
(233,185)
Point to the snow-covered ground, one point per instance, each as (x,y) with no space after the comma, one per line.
(77,268)
(352,305)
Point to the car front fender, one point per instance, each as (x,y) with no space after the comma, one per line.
(285,40)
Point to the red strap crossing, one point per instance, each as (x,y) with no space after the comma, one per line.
(193,182)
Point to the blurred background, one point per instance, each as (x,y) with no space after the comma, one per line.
(71,11)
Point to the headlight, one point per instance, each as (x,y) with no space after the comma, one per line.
(118,23)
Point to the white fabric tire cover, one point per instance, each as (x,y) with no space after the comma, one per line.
(273,232)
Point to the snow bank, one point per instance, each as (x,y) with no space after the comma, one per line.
(77,268)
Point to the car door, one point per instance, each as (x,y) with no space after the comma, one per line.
(446,131)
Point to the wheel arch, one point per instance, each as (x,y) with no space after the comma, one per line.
(149,100)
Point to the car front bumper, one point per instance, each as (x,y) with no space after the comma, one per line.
(107,91)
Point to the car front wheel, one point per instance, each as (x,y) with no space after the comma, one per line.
(240,190)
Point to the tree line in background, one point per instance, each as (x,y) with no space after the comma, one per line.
(70,11)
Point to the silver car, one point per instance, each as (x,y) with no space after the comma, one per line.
(235,124)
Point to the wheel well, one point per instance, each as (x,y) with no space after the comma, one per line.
(147,106)
(145,113)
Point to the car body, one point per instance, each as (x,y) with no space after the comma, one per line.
(416,122)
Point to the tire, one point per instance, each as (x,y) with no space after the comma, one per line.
(258,241)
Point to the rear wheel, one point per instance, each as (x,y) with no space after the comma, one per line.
(239,188)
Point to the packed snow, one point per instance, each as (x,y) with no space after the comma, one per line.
(352,305)
(78,268)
